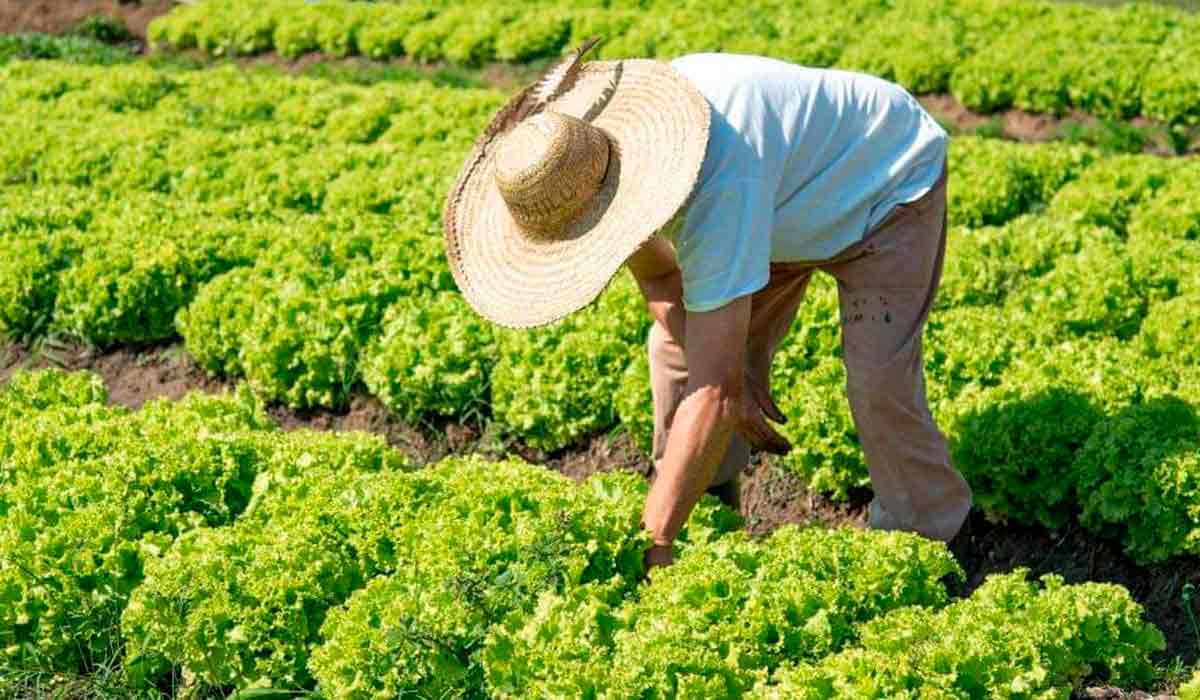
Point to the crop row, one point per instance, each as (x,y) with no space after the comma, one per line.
(194,540)
(1139,59)
(76,49)
(288,230)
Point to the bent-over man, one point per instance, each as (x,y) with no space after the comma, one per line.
(724,182)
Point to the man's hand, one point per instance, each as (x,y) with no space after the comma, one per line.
(658,555)
(755,405)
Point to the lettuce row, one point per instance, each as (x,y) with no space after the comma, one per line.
(400,572)
(1043,57)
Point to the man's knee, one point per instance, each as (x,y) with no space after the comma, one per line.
(877,393)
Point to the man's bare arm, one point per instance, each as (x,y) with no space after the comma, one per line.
(715,404)
(656,269)
(657,272)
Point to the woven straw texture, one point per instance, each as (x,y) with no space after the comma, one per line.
(657,129)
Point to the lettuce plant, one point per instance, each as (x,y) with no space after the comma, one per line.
(1011,638)
(433,358)
(75,533)
(753,607)
(1139,478)
(1108,191)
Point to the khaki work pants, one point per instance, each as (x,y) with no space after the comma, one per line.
(886,287)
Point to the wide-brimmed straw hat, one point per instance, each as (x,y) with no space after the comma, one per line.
(572,177)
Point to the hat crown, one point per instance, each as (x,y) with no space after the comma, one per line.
(548,169)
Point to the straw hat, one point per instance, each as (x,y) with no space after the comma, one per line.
(572,176)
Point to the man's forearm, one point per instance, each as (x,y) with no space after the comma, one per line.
(695,447)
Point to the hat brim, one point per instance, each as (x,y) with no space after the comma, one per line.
(657,124)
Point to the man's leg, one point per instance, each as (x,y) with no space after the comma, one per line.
(886,290)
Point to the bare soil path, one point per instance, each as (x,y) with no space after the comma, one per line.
(61,16)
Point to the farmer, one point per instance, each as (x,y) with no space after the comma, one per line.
(723,182)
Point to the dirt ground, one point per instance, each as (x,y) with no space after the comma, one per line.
(59,16)
(770,496)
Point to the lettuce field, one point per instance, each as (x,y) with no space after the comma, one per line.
(214,552)
(284,231)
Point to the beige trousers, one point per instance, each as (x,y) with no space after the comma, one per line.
(886,287)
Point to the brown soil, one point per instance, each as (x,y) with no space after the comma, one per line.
(770,496)
(1016,124)
(60,16)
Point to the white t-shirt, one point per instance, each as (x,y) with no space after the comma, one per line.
(801,163)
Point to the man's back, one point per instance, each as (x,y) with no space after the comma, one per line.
(801,163)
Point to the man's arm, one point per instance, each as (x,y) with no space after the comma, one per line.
(656,269)
(657,272)
(716,403)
